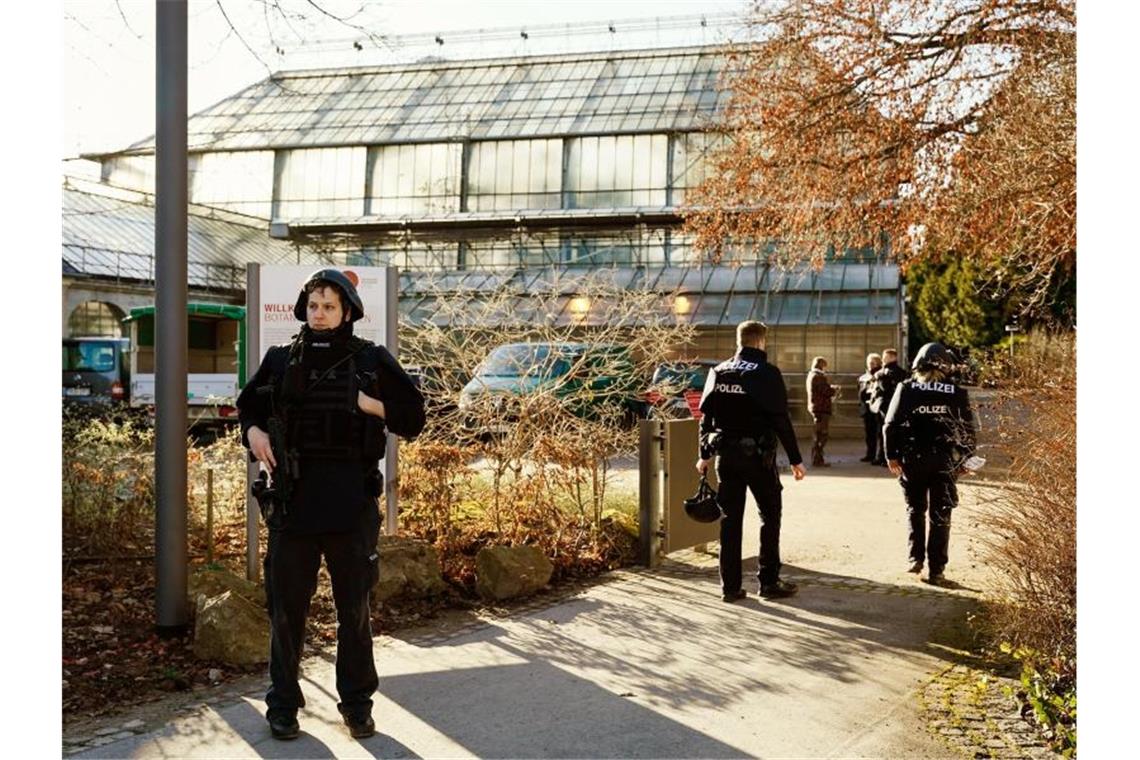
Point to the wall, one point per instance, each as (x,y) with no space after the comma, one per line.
(125,296)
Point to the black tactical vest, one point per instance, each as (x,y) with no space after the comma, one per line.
(319,393)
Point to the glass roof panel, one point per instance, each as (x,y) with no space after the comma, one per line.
(663,279)
(571,281)
(796,309)
(557,311)
(710,308)
(424,312)
(721,279)
(749,278)
(695,278)
(854,309)
(857,277)
(768,305)
(824,308)
(799,280)
(739,308)
(113,234)
(604,91)
(884,277)
(884,308)
(830,277)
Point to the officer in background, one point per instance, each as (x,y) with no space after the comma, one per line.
(886,380)
(744,410)
(872,422)
(314,416)
(928,432)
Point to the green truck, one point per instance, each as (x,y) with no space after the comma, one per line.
(215,356)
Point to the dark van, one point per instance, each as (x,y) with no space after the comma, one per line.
(95,371)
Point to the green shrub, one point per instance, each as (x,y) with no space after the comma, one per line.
(1048,693)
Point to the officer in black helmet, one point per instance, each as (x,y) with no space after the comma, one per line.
(928,432)
(315,416)
(744,411)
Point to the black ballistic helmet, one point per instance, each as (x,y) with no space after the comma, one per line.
(702,505)
(934,356)
(348,296)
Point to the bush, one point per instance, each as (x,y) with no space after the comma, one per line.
(462,501)
(108,486)
(529,463)
(1048,695)
(1030,524)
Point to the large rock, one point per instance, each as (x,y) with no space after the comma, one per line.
(409,569)
(232,629)
(208,581)
(504,572)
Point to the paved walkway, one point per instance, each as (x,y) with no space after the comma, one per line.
(653,664)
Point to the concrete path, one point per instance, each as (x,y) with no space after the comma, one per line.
(653,664)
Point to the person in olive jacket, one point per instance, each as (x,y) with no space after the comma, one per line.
(820,395)
(315,416)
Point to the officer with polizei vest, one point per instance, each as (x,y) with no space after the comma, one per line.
(315,416)
(744,411)
(928,434)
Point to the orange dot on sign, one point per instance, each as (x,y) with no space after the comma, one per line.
(351,275)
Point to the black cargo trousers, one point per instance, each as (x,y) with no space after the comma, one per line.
(873,434)
(739,465)
(928,484)
(291,564)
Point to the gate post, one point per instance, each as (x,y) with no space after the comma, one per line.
(651,451)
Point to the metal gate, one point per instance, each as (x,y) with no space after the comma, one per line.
(668,476)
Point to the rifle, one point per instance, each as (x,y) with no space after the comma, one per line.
(288,464)
(267,500)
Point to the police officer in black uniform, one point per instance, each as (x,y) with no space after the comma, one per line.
(928,433)
(883,390)
(744,411)
(315,416)
(872,421)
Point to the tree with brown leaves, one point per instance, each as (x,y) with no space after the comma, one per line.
(948,129)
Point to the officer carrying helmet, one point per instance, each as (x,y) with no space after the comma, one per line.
(928,432)
(744,411)
(315,416)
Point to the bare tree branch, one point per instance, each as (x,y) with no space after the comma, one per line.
(123,16)
(241,38)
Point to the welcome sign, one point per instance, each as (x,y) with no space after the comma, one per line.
(279,286)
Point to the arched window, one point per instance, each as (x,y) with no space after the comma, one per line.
(96,318)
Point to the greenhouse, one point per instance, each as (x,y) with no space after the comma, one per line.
(517,173)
